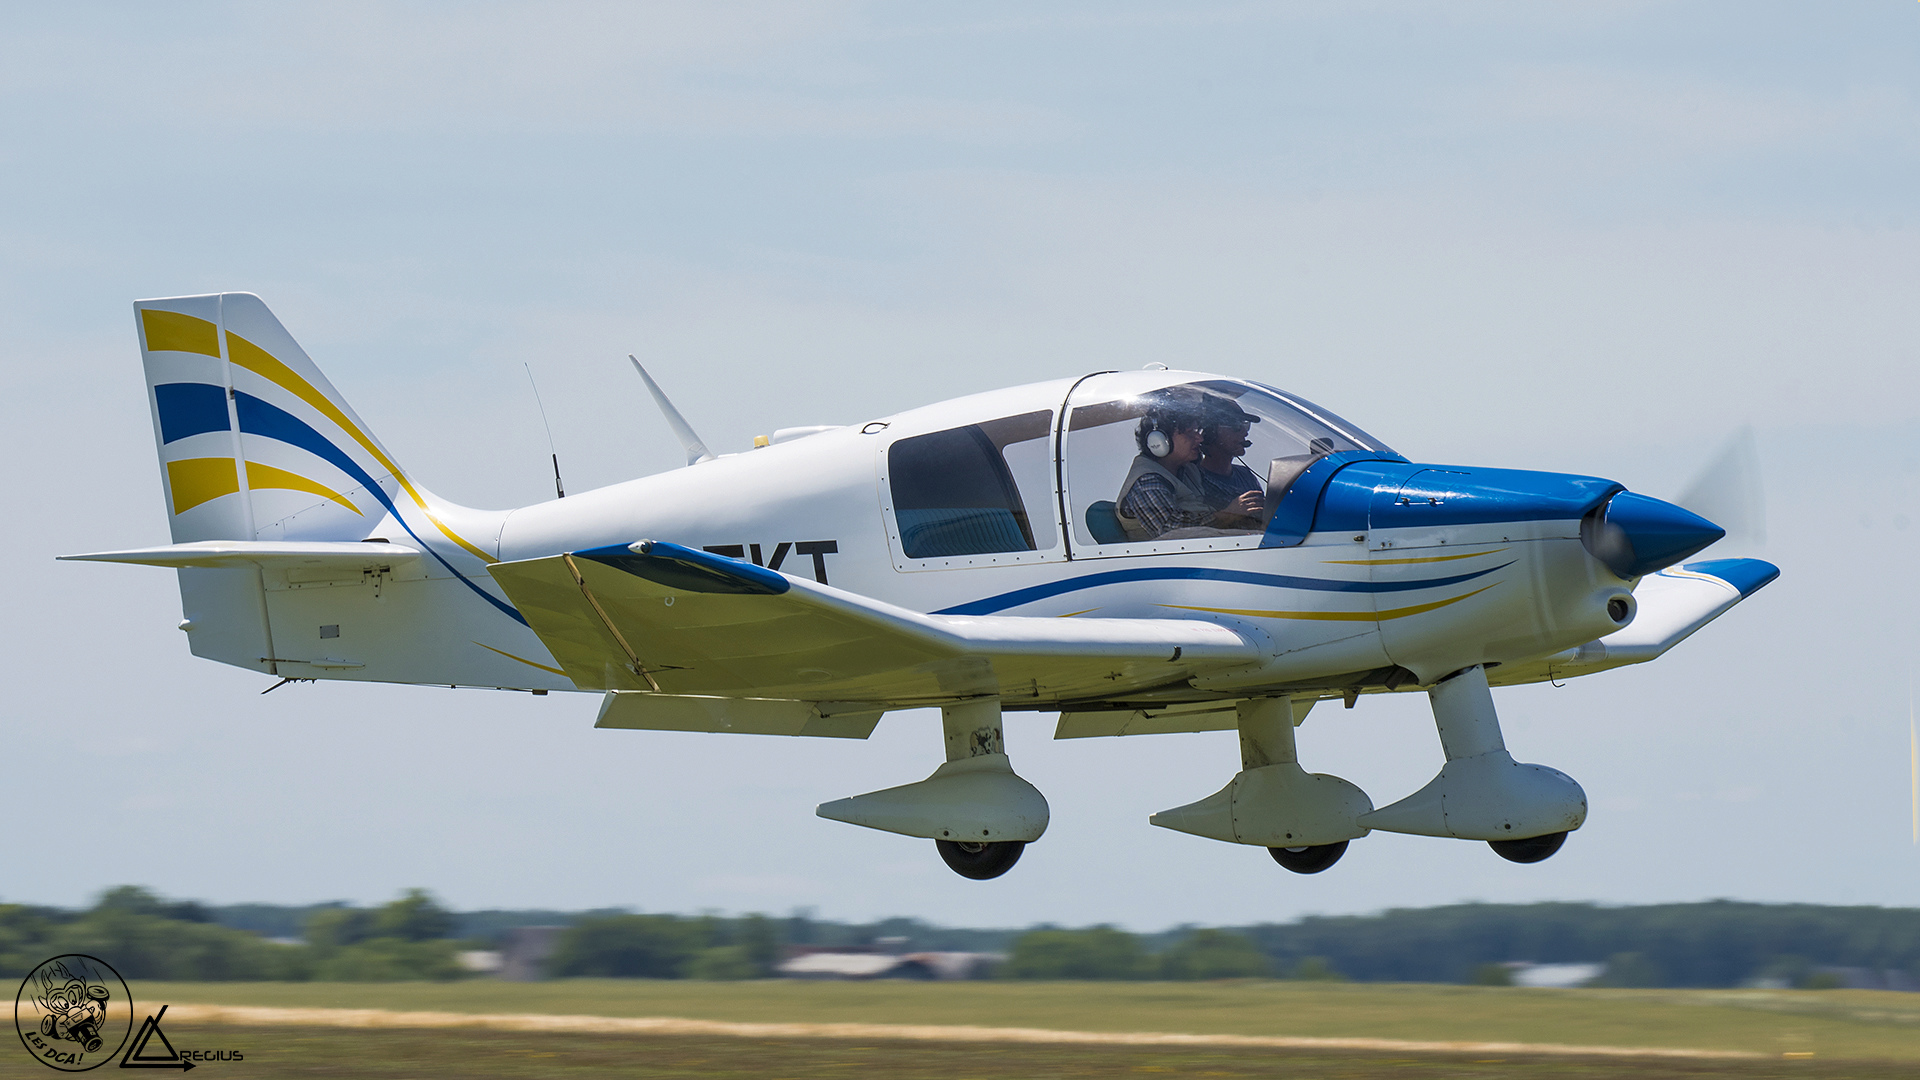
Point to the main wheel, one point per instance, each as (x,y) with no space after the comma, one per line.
(982,861)
(1531,850)
(1308,860)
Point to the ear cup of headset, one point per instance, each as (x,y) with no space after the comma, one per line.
(1158,444)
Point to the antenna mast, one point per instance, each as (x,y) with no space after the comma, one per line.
(559,492)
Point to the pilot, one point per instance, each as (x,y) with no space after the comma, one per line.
(1164,491)
(1234,491)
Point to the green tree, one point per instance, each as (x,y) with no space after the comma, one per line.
(1100,952)
(337,927)
(724,962)
(1315,969)
(759,936)
(1492,975)
(413,917)
(392,959)
(1630,969)
(1214,954)
(629,946)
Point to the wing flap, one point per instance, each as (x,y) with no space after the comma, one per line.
(733,715)
(666,618)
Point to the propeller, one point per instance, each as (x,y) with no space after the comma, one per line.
(1729,492)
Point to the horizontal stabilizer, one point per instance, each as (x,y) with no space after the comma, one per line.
(658,616)
(262,553)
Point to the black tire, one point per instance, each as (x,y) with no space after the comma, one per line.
(983,861)
(1308,860)
(1531,850)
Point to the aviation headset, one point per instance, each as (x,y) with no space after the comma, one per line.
(1162,421)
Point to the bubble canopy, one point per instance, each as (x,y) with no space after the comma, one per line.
(1239,436)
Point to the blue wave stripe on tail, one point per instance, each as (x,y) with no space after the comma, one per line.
(268,421)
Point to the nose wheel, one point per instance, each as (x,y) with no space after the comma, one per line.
(1308,860)
(984,861)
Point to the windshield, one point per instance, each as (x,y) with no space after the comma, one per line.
(1150,458)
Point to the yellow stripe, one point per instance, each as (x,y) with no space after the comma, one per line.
(170,331)
(266,476)
(1336,616)
(1409,562)
(1071,614)
(523,660)
(246,354)
(201,479)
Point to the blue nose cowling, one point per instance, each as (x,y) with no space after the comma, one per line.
(1636,535)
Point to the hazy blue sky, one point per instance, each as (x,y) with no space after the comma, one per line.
(1596,238)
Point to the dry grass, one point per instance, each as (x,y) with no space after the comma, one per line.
(333,1052)
(1853,1025)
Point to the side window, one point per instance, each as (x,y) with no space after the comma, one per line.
(975,490)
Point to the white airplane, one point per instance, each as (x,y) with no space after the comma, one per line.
(1141,552)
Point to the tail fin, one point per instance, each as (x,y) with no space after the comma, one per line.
(257,445)
(254,442)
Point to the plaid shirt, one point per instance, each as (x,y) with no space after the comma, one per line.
(1153,504)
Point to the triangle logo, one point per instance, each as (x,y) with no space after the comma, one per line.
(139,1056)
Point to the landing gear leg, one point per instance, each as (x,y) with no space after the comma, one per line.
(1303,819)
(979,814)
(1523,811)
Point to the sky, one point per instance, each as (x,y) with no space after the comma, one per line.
(1602,239)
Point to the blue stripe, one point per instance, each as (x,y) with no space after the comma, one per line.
(1747,575)
(190,408)
(1195,573)
(271,422)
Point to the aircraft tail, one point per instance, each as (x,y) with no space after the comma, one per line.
(254,443)
(257,446)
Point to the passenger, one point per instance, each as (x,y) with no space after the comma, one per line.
(1164,491)
(1236,492)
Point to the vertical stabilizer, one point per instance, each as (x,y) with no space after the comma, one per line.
(256,444)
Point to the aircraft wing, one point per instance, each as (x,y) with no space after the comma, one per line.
(681,623)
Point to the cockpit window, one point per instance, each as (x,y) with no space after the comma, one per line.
(1150,460)
(975,490)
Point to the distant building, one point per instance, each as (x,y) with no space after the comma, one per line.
(880,962)
(1553,976)
(524,952)
(1859,978)
(479,961)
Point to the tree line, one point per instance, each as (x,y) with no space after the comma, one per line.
(1721,943)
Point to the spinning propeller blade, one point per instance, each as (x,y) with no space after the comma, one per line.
(1729,492)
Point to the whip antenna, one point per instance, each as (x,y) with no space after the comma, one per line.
(559,492)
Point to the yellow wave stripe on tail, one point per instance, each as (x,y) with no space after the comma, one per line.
(246,354)
(201,479)
(266,476)
(1337,616)
(170,331)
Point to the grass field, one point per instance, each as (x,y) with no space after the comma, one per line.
(1847,1033)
